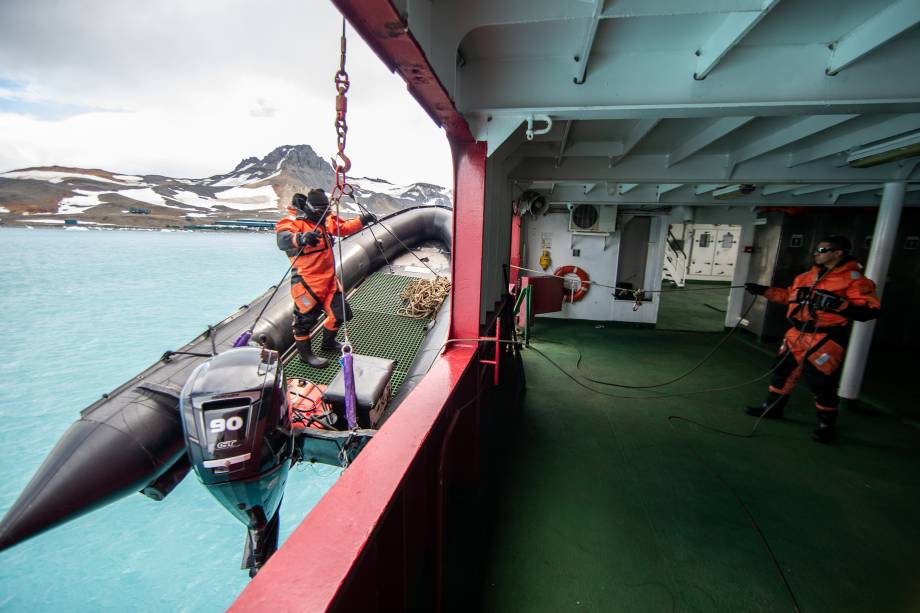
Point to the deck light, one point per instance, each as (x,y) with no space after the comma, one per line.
(887,151)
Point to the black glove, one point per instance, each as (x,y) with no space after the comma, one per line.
(826,301)
(756,288)
(802,295)
(307,238)
(368,218)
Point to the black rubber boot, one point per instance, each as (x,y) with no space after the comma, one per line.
(329,342)
(772,408)
(308,357)
(827,427)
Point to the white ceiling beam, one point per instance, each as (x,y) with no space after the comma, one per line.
(884,129)
(811,189)
(706,188)
(495,130)
(709,168)
(589,187)
(647,195)
(796,130)
(620,88)
(452,21)
(664,188)
(565,141)
(706,136)
(625,188)
(581,60)
(662,8)
(636,134)
(873,33)
(729,33)
(858,189)
(853,189)
(778,188)
(578,148)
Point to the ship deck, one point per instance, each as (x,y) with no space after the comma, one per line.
(600,503)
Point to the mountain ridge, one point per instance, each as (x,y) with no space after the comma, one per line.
(256,188)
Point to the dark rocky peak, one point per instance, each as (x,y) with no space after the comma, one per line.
(246,162)
(295,156)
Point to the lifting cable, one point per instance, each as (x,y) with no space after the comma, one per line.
(637,294)
(382,225)
(675,379)
(656,395)
(342,165)
(244,338)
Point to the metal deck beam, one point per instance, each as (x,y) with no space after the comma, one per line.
(506,87)
(873,33)
(884,129)
(711,168)
(639,131)
(710,134)
(581,60)
(795,130)
(729,33)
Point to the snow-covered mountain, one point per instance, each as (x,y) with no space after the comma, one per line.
(256,188)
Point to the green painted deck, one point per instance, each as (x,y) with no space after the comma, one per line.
(376,330)
(604,504)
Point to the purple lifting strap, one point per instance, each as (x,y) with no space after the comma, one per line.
(243,339)
(348,370)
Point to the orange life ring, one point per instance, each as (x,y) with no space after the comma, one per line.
(584,282)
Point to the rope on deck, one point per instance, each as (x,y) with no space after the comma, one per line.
(423,297)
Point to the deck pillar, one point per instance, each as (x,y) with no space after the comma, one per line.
(469,221)
(883,239)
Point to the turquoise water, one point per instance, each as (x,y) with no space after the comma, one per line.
(82,312)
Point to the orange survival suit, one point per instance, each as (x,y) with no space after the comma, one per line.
(822,302)
(306,236)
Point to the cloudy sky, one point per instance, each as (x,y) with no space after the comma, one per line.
(188,88)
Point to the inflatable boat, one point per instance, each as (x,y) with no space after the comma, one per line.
(240,416)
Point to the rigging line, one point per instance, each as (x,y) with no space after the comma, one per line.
(342,85)
(680,394)
(669,381)
(632,290)
(286,273)
(747,511)
(341,275)
(370,227)
(768,408)
(650,397)
(382,225)
(718,477)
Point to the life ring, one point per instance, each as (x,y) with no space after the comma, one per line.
(584,282)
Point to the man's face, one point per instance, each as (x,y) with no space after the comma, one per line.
(825,254)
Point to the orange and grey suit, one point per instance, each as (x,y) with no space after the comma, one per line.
(314,286)
(815,344)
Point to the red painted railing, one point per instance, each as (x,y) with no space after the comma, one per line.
(375,540)
(376,532)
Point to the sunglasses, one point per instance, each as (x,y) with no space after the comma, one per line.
(824,249)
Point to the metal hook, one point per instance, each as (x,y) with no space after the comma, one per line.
(540,117)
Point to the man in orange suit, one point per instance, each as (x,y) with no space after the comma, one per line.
(822,302)
(306,236)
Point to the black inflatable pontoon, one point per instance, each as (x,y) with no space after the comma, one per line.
(132,439)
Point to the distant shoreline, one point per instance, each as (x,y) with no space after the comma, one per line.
(103,227)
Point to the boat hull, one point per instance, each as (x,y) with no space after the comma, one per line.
(131,439)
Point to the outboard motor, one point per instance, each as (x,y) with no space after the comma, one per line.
(239,439)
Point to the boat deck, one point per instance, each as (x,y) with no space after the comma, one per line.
(601,503)
(377,330)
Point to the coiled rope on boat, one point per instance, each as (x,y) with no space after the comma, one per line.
(423,297)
